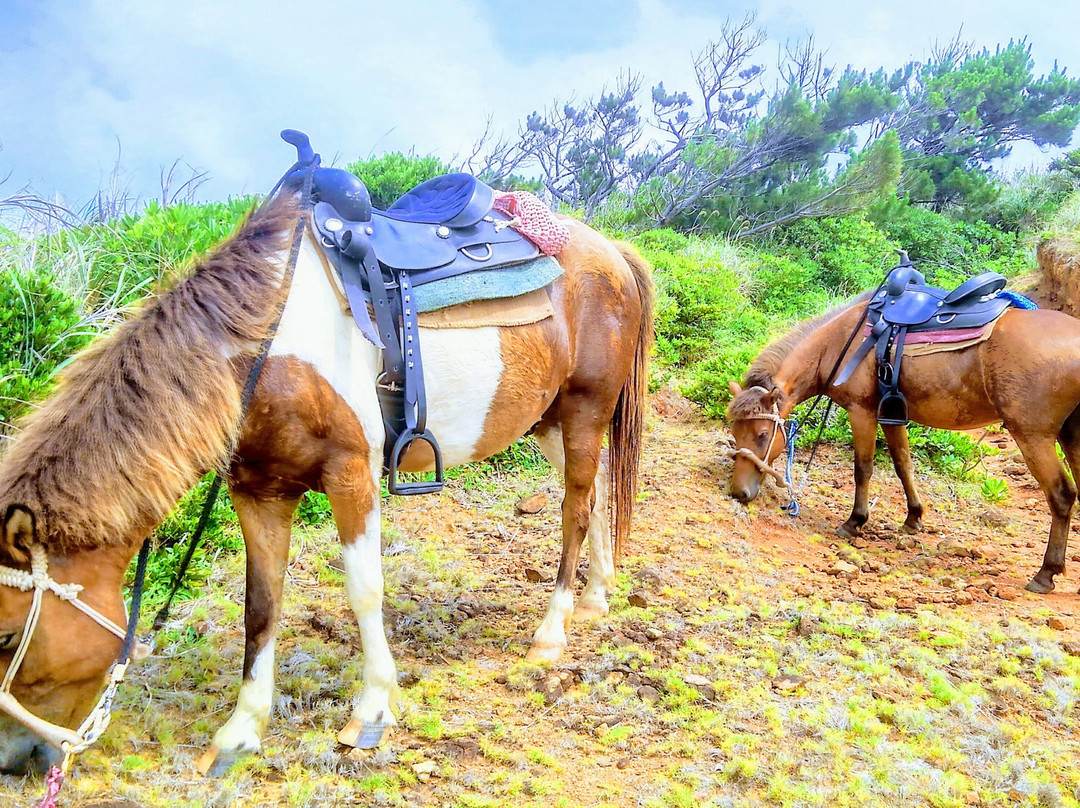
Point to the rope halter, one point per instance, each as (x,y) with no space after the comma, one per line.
(38,581)
(761,462)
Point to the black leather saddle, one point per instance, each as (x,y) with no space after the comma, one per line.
(904,304)
(441,228)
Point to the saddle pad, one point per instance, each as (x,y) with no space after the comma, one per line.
(487,284)
(531,307)
(925,343)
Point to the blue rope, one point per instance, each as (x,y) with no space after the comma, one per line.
(1018,300)
(792,508)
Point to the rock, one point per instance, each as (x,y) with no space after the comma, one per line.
(648,575)
(637,599)
(1056,623)
(622,763)
(701,684)
(804,591)
(465,749)
(807,626)
(878,603)
(963,599)
(972,798)
(407,679)
(603,761)
(537,576)
(554,684)
(788,684)
(994,517)
(905,604)
(648,693)
(653,633)
(534,504)
(952,548)
(621,640)
(1008,593)
(1072,648)
(842,569)
(1015,470)
(425,770)
(906,543)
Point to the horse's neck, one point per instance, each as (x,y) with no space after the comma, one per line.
(805,370)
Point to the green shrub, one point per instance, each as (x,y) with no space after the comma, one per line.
(787,287)
(38,331)
(851,252)
(388,176)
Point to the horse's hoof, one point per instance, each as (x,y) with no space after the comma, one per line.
(847,532)
(1038,587)
(544,653)
(363,734)
(911,530)
(590,611)
(215,762)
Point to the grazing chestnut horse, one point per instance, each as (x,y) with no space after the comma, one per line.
(145,411)
(1026,375)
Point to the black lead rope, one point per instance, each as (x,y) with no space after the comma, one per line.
(249,388)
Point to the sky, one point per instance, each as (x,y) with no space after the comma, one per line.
(87,84)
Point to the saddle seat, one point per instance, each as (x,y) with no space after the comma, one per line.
(905,304)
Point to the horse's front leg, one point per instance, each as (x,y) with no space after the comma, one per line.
(863,434)
(896,437)
(1042,461)
(352,488)
(581,450)
(266,525)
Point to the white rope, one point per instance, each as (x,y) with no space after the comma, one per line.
(761,464)
(38,580)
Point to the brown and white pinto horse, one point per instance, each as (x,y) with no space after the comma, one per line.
(1026,375)
(146,410)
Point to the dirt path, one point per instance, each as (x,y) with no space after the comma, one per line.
(749,659)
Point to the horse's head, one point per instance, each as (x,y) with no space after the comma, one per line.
(758,430)
(65,654)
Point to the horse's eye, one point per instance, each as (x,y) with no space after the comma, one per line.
(763,434)
(9,641)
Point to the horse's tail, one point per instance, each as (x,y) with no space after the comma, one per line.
(628,420)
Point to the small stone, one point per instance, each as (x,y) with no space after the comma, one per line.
(554,684)
(648,693)
(603,761)
(972,798)
(1015,470)
(878,603)
(534,504)
(622,763)
(1056,623)
(537,576)
(842,569)
(701,684)
(952,548)
(1008,593)
(425,770)
(637,599)
(963,599)
(804,591)
(1072,648)
(994,517)
(905,604)
(653,633)
(807,626)
(788,684)
(906,543)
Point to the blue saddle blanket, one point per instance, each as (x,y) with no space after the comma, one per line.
(487,284)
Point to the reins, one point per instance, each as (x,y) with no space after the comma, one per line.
(69,741)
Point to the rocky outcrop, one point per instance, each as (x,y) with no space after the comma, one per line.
(1059,266)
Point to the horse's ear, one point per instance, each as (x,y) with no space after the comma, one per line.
(18,534)
(734,388)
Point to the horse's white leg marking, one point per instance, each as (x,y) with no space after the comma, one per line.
(243,731)
(372,713)
(550,638)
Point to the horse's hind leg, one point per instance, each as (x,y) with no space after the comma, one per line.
(896,437)
(1042,461)
(351,487)
(1070,444)
(266,525)
(601,581)
(582,435)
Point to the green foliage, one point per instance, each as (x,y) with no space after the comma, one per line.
(38,330)
(120,257)
(852,254)
(952,453)
(314,509)
(390,175)
(994,489)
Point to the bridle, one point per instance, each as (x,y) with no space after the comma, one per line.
(37,580)
(787,429)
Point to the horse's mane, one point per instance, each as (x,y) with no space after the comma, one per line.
(767,362)
(144,411)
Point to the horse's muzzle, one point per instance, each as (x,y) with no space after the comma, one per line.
(745,492)
(23,752)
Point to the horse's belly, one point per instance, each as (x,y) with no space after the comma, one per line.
(462,371)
